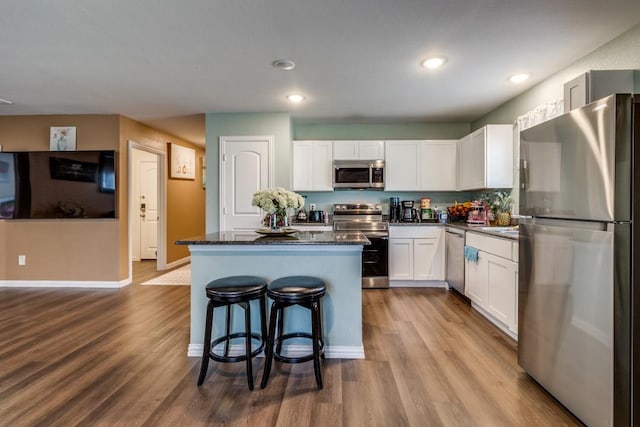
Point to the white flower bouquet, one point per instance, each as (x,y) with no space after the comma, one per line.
(277,200)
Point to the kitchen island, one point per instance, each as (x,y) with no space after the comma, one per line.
(334,257)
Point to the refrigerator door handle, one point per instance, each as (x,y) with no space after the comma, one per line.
(524,174)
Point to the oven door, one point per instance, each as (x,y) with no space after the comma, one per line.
(375,262)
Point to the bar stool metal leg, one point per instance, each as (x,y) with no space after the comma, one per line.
(204,364)
(268,353)
(247,328)
(227,331)
(315,331)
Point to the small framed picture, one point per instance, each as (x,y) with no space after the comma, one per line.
(183,162)
(62,138)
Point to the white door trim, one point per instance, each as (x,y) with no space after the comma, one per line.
(223,140)
(160,150)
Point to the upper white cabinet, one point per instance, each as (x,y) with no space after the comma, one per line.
(421,165)
(358,150)
(402,166)
(312,166)
(438,165)
(486,158)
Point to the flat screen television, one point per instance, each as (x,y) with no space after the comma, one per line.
(57,184)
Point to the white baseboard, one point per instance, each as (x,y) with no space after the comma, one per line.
(417,284)
(65,284)
(330,352)
(178,263)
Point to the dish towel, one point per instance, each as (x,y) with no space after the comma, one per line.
(471,253)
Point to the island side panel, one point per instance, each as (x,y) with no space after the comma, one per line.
(338,265)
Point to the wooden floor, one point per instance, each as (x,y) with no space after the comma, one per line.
(118,357)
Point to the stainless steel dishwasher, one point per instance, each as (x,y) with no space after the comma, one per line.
(454,242)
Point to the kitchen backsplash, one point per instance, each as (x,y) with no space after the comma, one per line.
(326,200)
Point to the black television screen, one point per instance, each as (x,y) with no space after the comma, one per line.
(57,184)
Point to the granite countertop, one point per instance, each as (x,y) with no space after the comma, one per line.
(415,224)
(298,238)
(484,230)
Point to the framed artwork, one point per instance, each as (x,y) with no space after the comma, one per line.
(62,138)
(182,162)
(204,172)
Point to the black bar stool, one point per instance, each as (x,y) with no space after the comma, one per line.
(225,292)
(307,292)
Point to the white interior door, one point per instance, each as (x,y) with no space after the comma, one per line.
(149,208)
(245,167)
(145,205)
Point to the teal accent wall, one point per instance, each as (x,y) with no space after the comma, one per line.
(621,53)
(355,131)
(277,125)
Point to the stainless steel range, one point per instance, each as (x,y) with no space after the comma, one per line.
(367,218)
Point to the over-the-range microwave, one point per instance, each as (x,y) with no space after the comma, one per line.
(358,174)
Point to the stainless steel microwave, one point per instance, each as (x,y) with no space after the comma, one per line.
(358,174)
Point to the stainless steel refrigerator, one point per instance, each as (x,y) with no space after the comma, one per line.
(578,280)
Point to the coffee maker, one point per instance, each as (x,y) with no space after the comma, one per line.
(409,214)
(395,210)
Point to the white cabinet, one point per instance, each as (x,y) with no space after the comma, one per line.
(438,165)
(400,259)
(491,283)
(421,165)
(312,166)
(416,253)
(358,150)
(486,158)
(402,166)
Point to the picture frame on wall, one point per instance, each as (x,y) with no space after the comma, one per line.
(182,162)
(62,138)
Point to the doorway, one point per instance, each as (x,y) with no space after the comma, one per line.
(147,205)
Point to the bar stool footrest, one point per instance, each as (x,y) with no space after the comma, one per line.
(221,358)
(300,359)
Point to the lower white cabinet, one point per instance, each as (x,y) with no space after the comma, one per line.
(491,283)
(416,253)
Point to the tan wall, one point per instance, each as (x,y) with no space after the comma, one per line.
(185,198)
(92,250)
(60,249)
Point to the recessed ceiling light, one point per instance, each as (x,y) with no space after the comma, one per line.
(434,62)
(5,101)
(295,98)
(283,64)
(519,78)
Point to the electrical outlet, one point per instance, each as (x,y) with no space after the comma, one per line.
(22,260)
(312,206)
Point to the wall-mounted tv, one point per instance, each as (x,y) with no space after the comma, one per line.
(57,184)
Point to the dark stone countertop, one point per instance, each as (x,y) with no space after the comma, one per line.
(298,238)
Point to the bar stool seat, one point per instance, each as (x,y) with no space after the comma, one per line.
(225,292)
(307,292)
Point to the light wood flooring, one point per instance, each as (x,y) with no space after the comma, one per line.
(118,358)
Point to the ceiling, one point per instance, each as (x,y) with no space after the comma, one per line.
(165,63)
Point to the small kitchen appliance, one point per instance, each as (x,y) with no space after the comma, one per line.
(477,215)
(409,214)
(316,216)
(395,209)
